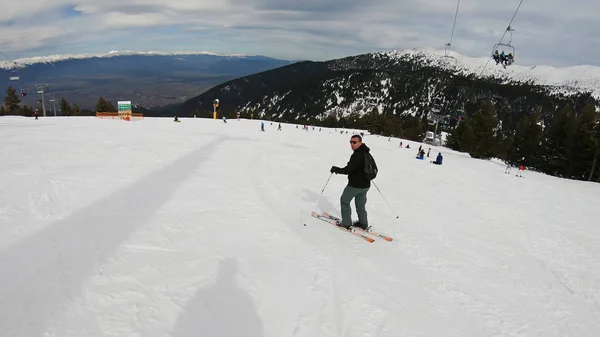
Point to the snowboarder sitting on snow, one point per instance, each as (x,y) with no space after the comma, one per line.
(438,159)
(357,187)
(421,154)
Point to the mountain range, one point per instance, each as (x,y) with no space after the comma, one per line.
(149,79)
(401,82)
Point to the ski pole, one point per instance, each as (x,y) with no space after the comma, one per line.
(391,209)
(323,190)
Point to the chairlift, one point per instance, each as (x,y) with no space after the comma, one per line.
(436,106)
(509,45)
(17,78)
(448,61)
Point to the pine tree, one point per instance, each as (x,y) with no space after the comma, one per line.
(526,146)
(2,110)
(11,101)
(105,106)
(76,110)
(463,138)
(485,125)
(584,142)
(559,145)
(596,139)
(65,107)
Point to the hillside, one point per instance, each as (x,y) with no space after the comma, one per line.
(147,79)
(400,82)
(156,228)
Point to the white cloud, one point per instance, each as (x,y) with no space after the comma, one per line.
(546,32)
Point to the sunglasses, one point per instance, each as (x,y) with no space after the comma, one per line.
(353,142)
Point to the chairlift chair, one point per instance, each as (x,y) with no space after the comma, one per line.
(436,106)
(449,61)
(509,45)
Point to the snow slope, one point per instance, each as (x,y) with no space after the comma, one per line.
(155,228)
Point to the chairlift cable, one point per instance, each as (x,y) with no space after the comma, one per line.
(502,38)
(454,25)
(448,45)
(490,58)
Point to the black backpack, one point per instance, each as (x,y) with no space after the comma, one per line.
(370,170)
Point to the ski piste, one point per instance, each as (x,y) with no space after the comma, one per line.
(368,231)
(334,223)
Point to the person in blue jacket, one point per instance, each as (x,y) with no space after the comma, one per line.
(438,159)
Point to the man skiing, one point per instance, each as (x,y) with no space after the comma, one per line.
(358,185)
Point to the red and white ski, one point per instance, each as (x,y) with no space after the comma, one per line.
(368,231)
(335,223)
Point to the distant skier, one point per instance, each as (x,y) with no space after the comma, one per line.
(262,126)
(279,127)
(438,159)
(521,170)
(508,167)
(224,119)
(358,184)
(175,119)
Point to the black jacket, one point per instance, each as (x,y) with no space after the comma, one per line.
(356,167)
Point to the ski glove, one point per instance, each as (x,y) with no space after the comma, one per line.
(335,169)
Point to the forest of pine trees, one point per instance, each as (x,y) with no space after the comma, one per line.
(569,147)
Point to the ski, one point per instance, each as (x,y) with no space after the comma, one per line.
(334,223)
(368,231)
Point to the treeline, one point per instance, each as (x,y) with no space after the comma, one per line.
(568,147)
(12,106)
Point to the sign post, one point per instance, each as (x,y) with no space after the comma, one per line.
(124,108)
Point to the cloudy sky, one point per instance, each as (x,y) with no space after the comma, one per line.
(552,32)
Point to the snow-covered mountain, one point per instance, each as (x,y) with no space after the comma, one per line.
(23,62)
(401,83)
(566,79)
(149,79)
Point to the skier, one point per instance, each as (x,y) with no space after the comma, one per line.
(175,119)
(279,127)
(508,167)
(521,170)
(262,126)
(224,119)
(357,187)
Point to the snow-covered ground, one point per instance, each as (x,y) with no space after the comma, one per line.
(155,228)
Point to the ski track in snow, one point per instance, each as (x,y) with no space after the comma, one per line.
(155,228)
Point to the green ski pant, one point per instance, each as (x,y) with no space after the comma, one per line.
(360,200)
